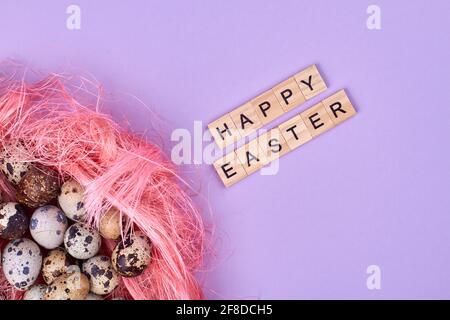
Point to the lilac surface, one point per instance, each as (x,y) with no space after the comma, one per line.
(375,190)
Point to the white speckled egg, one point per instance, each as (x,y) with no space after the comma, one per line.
(47,226)
(92,296)
(73,286)
(55,264)
(13,221)
(21,263)
(82,241)
(12,163)
(102,277)
(131,256)
(70,200)
(36,292)
(110,224)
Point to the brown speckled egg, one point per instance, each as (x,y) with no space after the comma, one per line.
(110,224)
(21,263)
(70,200)
(13,221)
(82,241)
(102,277)
(36,292)
(74,286)
(131,256)
(55,264)
(38,187)
(92,296)
(47,226)
(12,163)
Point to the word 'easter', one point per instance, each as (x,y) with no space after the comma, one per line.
(288,136)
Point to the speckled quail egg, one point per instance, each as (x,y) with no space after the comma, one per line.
(92,296)
(12,163)
(131,256)
(110,224)
(47,226)
(13,221)
(38,187)
(71,286)
(82,241)
(21,263)
(36,292)
(70,200)
(55,264)
(102,277)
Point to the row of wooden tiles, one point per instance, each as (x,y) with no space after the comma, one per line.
(288,136)
(268,106)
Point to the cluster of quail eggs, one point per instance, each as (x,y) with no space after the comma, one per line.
(52,254)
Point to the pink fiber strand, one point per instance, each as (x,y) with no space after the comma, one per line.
(117,169)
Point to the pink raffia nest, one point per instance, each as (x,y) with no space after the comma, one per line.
(118,169)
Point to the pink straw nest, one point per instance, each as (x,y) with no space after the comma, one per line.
(118,169)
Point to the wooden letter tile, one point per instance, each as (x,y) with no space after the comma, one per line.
(339,107)
(245,119)
(229,169)
(224,131)
(250,156)
(288,94)
(267,107)
(317,119)
(272,145)
(295,132)
(310,82)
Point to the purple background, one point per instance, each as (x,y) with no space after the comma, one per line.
(375,190)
